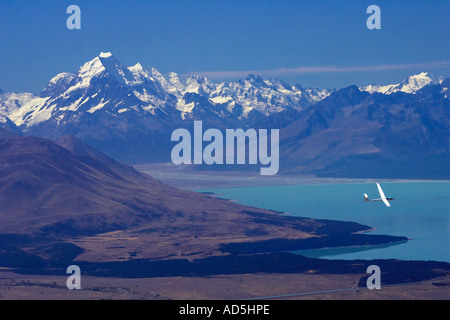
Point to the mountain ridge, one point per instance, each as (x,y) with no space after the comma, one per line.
(130,113)
(154,90)
(64,195)
(356,134)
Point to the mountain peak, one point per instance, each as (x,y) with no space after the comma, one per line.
(105,55)
(137,66)
(57,84)
(425,77)
(254,77)
(422,75)
(91,68)
(410,84)
(64,76)
(138,71)
(256,80)
(416,82)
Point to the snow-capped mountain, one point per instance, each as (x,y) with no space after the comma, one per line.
(6,123)
(130,113)
(410,85)
(105,85)
(240,97)
(120,110)
(354,133)
(100,84)
(10,102)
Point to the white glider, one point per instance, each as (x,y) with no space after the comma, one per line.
(383,197)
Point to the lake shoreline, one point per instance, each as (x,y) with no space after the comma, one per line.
(186,177)
(418,212)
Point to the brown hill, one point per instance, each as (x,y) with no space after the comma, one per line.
(68,191)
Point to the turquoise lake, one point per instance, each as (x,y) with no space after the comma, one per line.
(420,211)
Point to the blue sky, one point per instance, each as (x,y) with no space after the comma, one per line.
(314,43)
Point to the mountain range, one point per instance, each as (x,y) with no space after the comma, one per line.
(354,133)
(129,113)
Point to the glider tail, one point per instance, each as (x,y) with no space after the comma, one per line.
(366,197)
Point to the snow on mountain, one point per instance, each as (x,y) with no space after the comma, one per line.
(103,84)
(11,105)
(265,96)
(32,112)
(315,95)
(252,93)
(104,63)
(131,112)
(410,85)
(61,79)
(58,84)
